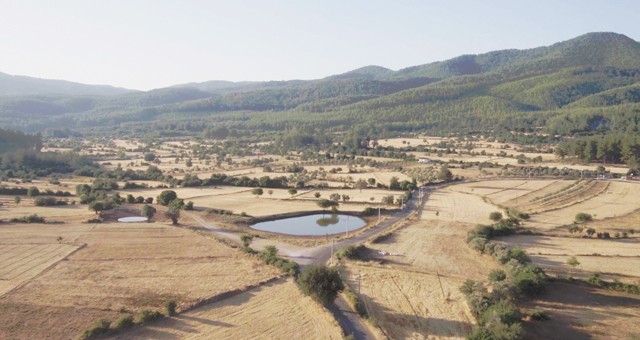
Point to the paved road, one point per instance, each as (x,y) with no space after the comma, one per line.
(350,321)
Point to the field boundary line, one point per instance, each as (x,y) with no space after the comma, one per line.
(229,294)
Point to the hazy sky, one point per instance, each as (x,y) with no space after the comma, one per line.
(149,44)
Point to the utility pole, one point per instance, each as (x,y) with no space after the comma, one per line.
(332,240)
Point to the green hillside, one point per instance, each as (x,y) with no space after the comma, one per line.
(562,88)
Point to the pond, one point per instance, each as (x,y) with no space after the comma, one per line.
(312,225)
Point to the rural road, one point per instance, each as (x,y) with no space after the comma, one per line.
(349,320)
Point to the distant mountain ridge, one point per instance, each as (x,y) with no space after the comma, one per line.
(589,73)
(22,86)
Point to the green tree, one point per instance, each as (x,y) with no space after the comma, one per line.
(292,191)
(33,192)
(173,213)
(394,183)
(257,191)
(246,240)
(325,203)
(444,174)
(583,217)
(149,157)
(131,199)
(360,184)
(148,212)
(17,199)
(495,216)
(166,197)
(99,206)
(270,192)
(317,194)
(321,283)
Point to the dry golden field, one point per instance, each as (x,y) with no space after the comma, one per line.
(615,259)
(414,293)
(578,312)
(122,267)
(276,310)
(448,204)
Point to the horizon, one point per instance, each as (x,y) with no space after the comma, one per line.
(137,50)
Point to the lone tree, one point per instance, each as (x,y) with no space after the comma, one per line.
(17,199)
(148,212)
(583,217)
(360,184)
(246,240)
(495,216)
(270,192)
(321,283)
(317,195)
(257,191)
(334,197)
(292,191)
(445,174)
(166,197)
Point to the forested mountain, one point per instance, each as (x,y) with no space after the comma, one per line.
(583,86)
(21,86)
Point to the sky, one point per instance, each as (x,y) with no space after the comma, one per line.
(146,44)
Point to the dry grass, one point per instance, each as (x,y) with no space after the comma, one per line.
(273,311)
(618,259)
(415,292)
(447,204)
(123,266)
(617,199)
(578,312)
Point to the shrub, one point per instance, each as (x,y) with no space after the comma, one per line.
(170,307)
(583,217)
(369,211)
(526,278)
(47,202)
(497,275)
(539,315)
(147,316)
(352,252)
(33,218)
(100,327)
(188,206)
(321,283)
(478,243)
(495,216)
(123,322)
(503,311)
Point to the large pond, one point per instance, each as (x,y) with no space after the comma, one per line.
(318,224)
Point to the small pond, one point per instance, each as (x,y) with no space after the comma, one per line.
(132,219)
(312,225)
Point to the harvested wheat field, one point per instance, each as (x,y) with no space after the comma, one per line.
(411,305)
(505,191)
(449,205)
(579,312)
(617,199)
(275,310)
(615,258)
(68,213)
(122,267)
(266,206)
(415,292)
